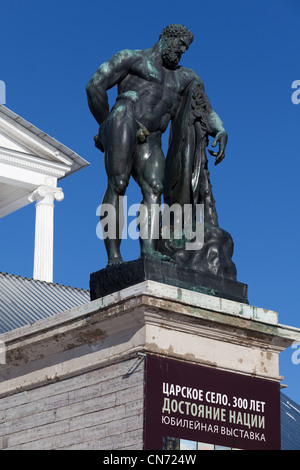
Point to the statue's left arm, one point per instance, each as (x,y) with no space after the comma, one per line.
(213,124)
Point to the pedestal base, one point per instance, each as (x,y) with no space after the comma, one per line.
(121,276)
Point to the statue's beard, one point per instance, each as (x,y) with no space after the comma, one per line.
(170,57)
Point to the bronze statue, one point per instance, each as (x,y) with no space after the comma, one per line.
(153,90)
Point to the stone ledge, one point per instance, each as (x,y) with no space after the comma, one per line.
(155,290)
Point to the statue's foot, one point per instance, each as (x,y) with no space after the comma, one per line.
(175,245)
(114,261)
(156,255)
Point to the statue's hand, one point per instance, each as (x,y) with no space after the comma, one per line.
(222,138)
(98,139)
(98,143)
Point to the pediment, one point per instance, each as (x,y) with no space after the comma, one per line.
(18,135)
(29,158)
(9,143)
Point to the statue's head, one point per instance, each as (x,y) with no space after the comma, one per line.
(175,39)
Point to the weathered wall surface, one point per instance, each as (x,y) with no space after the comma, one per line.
(101,409)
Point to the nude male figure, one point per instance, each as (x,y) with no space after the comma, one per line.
(150,88)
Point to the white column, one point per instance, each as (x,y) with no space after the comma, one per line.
(44,224)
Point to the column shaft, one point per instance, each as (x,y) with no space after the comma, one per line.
(44,228)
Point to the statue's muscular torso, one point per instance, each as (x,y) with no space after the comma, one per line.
(154,90)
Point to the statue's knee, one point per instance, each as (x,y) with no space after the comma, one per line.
(156,187)
(120,184)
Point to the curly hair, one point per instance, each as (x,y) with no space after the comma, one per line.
(175,31)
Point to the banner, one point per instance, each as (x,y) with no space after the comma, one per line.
(193,407)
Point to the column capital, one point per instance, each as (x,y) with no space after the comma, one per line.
(46,195)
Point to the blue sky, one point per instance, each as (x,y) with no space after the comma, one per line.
(247,54)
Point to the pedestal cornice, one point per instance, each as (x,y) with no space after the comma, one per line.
(151,318)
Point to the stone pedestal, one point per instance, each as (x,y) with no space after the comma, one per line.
(82,379)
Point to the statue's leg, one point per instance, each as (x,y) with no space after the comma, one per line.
(119,140)
(148,171)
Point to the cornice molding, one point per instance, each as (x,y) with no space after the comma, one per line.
(32,163)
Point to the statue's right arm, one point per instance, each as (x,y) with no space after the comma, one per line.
(108,75)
